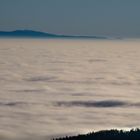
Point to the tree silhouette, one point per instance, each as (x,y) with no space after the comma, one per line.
(114,134)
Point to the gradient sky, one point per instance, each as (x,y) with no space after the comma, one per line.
(81,17)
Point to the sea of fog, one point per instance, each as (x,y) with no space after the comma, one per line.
(58,87)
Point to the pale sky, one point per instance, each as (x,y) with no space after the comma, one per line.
(73,17)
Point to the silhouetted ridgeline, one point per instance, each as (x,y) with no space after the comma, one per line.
(25,33)
(107,135)
(31,33)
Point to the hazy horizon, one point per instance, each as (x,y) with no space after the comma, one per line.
(80,17)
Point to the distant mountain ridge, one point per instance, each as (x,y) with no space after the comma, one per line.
(32,33)
(25,33)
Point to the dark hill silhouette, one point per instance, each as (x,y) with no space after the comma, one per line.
(31,33)
(25,33)
(107,135)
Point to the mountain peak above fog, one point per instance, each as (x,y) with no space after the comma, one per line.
(32,33)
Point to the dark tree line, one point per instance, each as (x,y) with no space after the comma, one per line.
(133,134)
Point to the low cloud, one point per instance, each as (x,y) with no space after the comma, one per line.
(12,103)
(99,104)
(40,78)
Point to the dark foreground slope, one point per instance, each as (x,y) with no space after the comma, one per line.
(107,135)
